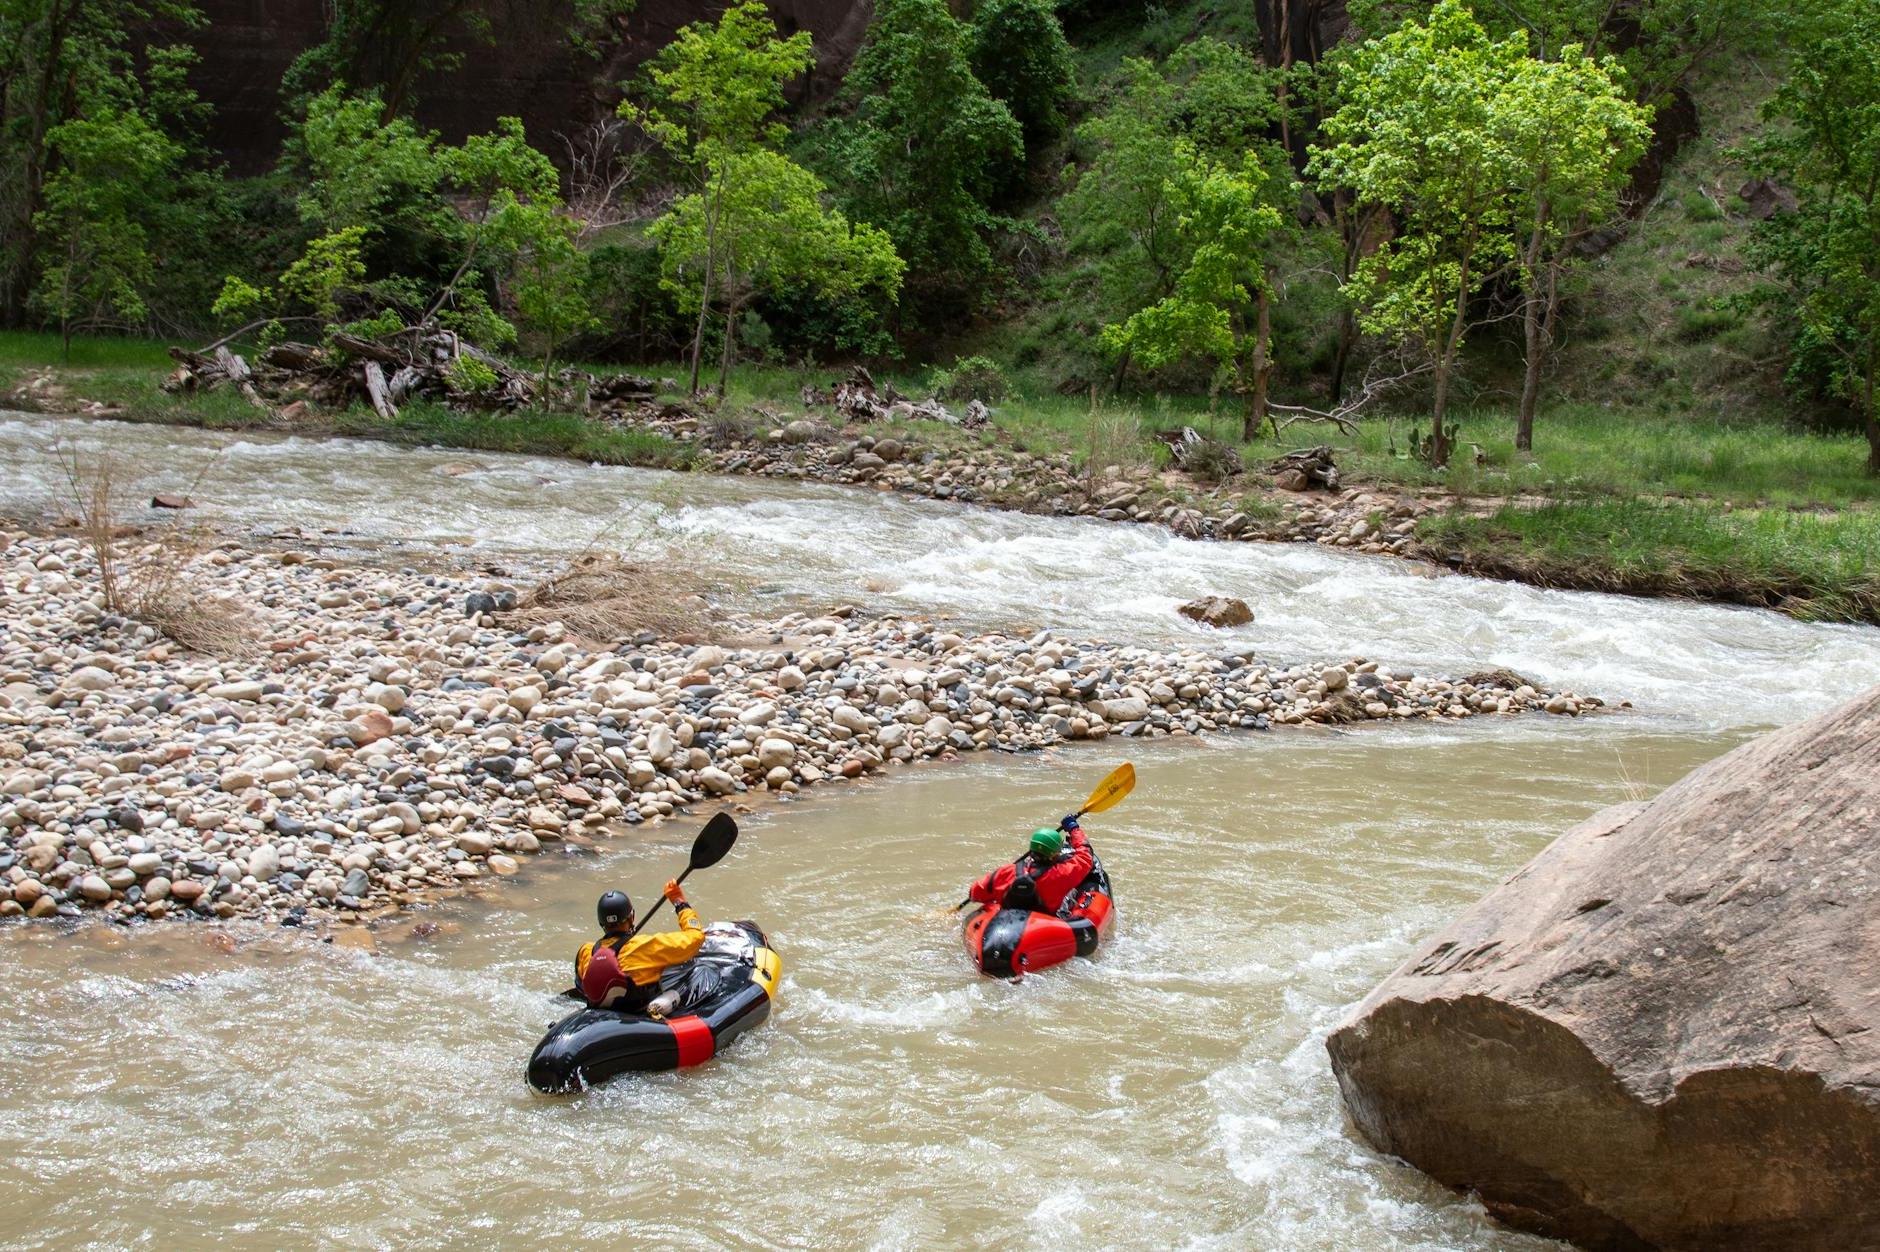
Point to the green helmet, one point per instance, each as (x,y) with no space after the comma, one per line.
(1046,842)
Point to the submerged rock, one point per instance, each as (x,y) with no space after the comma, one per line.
(1217,611)
(1661,1032)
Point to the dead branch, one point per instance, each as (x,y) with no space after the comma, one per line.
(1371,389)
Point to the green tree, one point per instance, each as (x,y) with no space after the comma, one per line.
(1657,43)
(1019,52)
(1210,96)
(414,233)
(1419,132)
(356,168)
(1227,220)
(1824,143)
(60,61)
(927,146)
(768,231)
(711,96)
(1572,135)
(112,169)
(548,277)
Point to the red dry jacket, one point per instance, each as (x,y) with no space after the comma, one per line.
(1054,883)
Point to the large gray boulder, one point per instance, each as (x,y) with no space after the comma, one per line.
(1661,1033)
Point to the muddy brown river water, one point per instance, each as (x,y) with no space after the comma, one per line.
(163,1090)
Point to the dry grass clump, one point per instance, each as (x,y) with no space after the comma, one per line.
(1113,446)
(152,582)
(605,597)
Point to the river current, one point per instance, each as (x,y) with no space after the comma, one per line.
(167,1087)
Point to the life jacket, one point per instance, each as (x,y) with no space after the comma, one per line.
(607,986)
(1023,893)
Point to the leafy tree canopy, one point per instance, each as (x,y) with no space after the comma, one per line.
(1824,142)
(1019,52)
(927,146)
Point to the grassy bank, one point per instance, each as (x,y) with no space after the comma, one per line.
(1823,567)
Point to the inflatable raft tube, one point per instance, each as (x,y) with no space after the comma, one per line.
(1010,943)
(724,991)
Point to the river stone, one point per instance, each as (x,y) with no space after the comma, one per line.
(660,744)
(774,752)
(264,862)
(1662,1031)
(1131,709)
(717,781)
(94,888)
(248,691)
(1334,677)
(1217,611)
(91,678)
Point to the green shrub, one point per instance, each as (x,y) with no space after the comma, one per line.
(971,378)
(1697,323)
(468,376)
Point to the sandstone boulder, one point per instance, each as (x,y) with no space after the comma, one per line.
(1662,1031)
(1217,611)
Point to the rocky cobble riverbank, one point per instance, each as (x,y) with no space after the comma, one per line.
(923,458)
(394,735)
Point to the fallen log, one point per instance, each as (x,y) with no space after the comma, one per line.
(378,393)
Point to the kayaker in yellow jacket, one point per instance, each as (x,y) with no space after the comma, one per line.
(618,972)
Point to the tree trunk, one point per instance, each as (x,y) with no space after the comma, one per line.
(1445,364)
(1532,331)
(705,296)
(1122,370)
(1439,435)
(1262,367)
(1341,352)
(1873,417)
(730,341)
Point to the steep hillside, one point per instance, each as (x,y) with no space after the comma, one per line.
(527,66)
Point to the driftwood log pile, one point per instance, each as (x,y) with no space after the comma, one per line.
(1305,469)
(387,375)
(857,398)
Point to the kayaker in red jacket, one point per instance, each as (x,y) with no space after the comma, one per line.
(1052,866)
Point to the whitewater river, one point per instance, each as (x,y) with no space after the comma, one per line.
(162,1089)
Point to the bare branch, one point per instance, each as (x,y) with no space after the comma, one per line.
(1370,389)
(603,164)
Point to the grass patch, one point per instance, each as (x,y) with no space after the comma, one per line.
(1813,567)
(526,431)
(23,349)
(1584,450)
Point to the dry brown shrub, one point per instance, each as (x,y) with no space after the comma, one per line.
(603,595)
(152,582)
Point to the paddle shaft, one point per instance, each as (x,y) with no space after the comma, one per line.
(686,873)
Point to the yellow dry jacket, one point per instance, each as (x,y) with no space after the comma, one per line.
(644,958)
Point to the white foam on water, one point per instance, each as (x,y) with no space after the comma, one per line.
(1711,665)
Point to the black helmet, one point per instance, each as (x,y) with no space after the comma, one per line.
(614,909)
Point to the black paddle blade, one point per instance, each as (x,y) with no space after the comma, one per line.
(714,842)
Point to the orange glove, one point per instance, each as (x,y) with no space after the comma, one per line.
(674,894)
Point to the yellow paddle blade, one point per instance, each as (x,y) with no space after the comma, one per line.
(1121,782)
